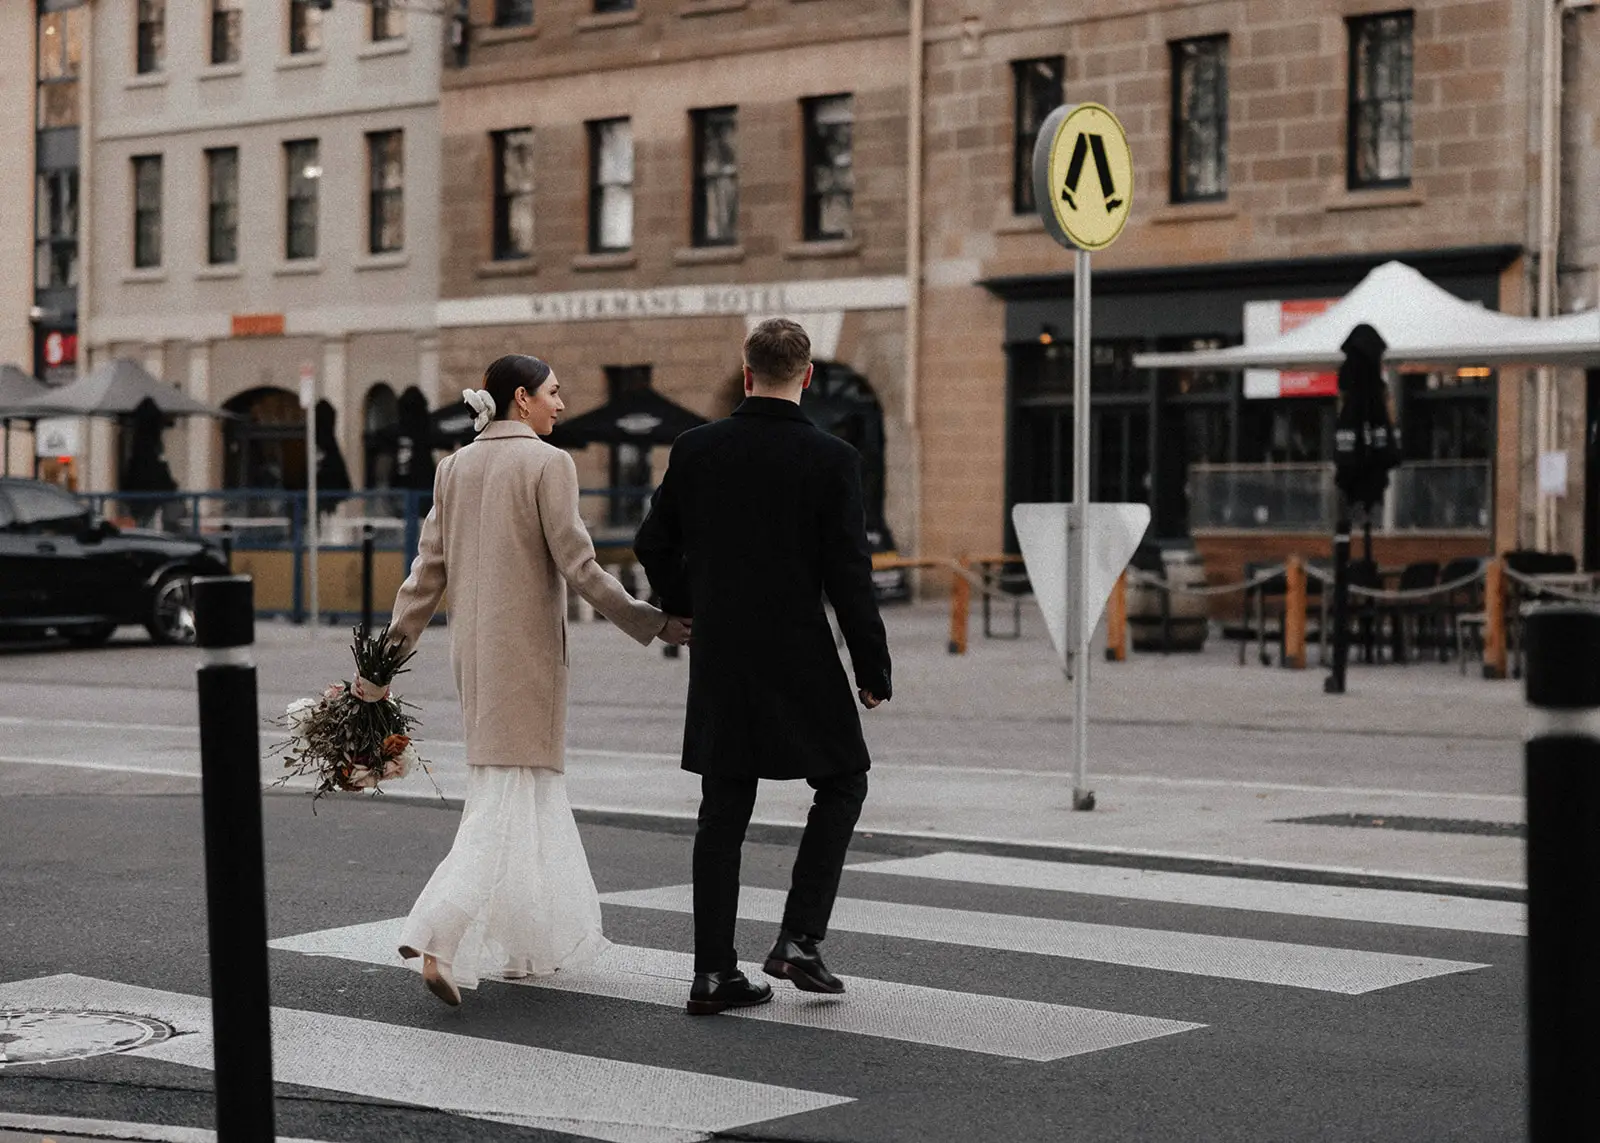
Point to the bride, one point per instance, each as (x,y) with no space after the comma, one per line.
(514,897)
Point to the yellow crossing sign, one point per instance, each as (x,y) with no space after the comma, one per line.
(1083,176)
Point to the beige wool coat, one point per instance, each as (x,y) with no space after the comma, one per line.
(505,539)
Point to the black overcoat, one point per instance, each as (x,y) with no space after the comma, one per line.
(757,518)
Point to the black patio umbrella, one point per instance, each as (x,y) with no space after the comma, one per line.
(332,473)
(415,439)
(638,416)
(147,470)
(115,389)
(16,389)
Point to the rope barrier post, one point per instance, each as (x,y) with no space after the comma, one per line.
(236,884)
(1494,619)
(1117,621)
(367,545)
(1334,683)
(960,604)
(1294,614)
(1562,776)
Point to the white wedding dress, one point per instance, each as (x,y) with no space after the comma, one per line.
(514,896)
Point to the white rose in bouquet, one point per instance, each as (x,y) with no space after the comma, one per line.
(298,714)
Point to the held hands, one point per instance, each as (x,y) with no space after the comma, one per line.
(676,631)
(869,700)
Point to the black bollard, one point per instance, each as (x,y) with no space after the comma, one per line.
(1334,683)
(1562,775)
(236,887)
(366,578)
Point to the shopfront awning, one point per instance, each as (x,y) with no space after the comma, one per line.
(1423,324)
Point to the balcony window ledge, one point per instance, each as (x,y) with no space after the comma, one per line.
(600,21)
(824,248)
(222,71)
(146,79)
(615,260)
(710,7)
(302,59)
(391,260)
(145,274)
(1193,212)
(1343,199)
(508,267)
(221,272)
(377,49)
(298,267)
(708,255)
(511,34)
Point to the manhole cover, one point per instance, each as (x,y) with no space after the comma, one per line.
(45,1035)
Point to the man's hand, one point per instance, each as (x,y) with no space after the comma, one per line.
(869,700)
(676,632)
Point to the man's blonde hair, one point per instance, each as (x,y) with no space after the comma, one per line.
(777,351)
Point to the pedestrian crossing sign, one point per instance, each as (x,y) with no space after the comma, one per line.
(1083,176)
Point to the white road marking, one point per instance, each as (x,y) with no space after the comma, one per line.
(994,1025)
(1348,971)
(465,1075)
(107,1129)
(1380,906)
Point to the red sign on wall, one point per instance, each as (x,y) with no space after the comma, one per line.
(60,349)
(1294,315)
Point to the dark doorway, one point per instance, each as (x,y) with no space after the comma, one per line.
(266,446)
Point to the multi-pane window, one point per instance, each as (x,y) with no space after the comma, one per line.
(513,13)
(388,20)
(56,230)
(610,185)
(1380,101)
(829,172)
(716,177)
(146,211)
(305,27)
(513,193)
(222,205)
(1038,92)
(60,64)
(227,31)
(1200,119)
(386,229)
(150,50)
(302,177)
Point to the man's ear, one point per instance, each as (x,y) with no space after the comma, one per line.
(810,369)
(749,381)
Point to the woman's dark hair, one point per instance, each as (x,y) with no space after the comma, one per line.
(507,374)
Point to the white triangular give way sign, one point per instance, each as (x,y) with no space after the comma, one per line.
(1113,535)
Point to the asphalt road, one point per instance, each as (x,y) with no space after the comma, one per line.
(1308,1037)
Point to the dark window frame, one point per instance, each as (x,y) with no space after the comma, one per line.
(150,37)
(386,228)
(1365,110)
(305,27)
(815,194)
(57,219)
(300,219)
(146,197)
(1187,130)
(603,6)
(227,32)
(705,180)
(222,211)
(1024,132)
(508,200)
(513,13)
(598,189)
(382,25)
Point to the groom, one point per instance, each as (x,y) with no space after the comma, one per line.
(758,517)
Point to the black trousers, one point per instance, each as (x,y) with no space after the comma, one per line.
(725,807)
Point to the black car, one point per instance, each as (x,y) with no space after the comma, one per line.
(63,570)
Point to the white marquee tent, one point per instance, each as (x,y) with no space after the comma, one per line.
(1423,325)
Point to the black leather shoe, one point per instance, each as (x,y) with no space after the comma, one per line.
(795,959)
(714,991)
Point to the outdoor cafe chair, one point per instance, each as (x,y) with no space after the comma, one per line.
(1408,618)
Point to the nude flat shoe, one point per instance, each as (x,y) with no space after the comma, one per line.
(436,976)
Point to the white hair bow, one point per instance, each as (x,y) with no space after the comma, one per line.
(481,403)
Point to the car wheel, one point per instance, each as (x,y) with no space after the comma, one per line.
(172,610)
(92,636)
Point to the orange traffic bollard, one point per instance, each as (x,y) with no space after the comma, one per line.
(1294,614)
(1494,620)
(960,604)
(1117,622)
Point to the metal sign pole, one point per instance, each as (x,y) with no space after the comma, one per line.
(1078,533)
(308,401)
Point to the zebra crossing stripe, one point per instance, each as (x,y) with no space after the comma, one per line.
(1379,906)
(995,1025)
(1348,971)
(465,1075)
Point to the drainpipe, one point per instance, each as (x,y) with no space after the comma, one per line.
(1548,410)
(913,352)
